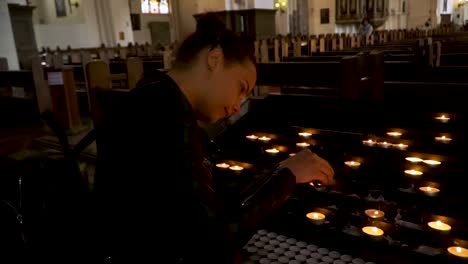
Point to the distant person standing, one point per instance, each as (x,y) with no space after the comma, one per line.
(365,30)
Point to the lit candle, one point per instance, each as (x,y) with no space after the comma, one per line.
(400,146)
(303,144)
(369,142)
(292,154)
(373,213)
(442,118)
(394,134)
(317,185)
(352,164)
(384,144)
(443,139)
(373,231)
(316,218)
(432,162)
(430,191)
(413,159)
(252,137)
(236,168)
(438,225)
(458,251)
(222,165)
(264,139)
(305,134)
(413,172)
(272,151)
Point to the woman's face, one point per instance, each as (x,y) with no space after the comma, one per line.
(226,86)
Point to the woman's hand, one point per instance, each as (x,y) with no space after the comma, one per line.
(308,166)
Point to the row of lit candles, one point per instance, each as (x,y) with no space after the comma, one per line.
(401,146)
(319,218)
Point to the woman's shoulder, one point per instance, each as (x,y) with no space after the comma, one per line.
(159,85)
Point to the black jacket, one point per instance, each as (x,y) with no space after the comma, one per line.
(155,202)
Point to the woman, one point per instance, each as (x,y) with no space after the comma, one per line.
(365,31)
(148,216)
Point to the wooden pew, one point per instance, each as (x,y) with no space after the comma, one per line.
(24,94)
(351,77)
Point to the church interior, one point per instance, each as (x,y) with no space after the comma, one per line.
(385,109)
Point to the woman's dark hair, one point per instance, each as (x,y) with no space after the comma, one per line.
(212,32)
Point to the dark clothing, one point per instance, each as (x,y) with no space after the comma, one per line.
(155,202)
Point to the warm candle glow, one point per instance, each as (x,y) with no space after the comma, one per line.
(305,134)
(272,151)
(373,213)
(443,139)
(394,134)
(431,191)
(384,144)
(236,168)
(303,144)
(315,216)
(292,154)
(222,165)
(442,118)
(264,139)
(252,137)
(369,142)
(413,172)
(400,146)
(352,164)
(372,230)
(432,162)
(458,251)
(413,159)
(438,225)
(318,184)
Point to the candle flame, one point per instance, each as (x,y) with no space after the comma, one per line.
(273,150)
(413,159)
(305,134)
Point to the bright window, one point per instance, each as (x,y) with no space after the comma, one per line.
(154,6)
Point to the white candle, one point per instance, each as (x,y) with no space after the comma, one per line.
(251,137)
(432,162)
(222,165)
(400,146)
(272,151)
(315,217)
(352,164)
(443,139)
(430,191)
(442,118)
(438,225)
(303,144)
(413,172)
(305,134)
(373,231)
(264,139)
(384,144)
(369,142)
(458,251)
(413,159)
(394,134)
(236,168)
(373,213)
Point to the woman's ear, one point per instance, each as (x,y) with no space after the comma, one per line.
(215,59)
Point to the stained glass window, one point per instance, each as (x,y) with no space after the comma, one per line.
(154,6)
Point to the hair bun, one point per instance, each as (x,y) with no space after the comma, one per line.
(209,24)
